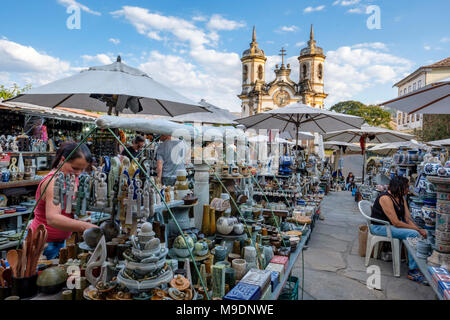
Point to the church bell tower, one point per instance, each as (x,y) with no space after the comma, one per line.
(311,63)
(253,78)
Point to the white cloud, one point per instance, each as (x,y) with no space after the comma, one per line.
(115,41)
(373,45)
(217,22)
(287,29)
(68,3)
(355,10)
(345,2)
(351,69)
(218,73)
(300,44)
(312,9)
(428,48)
(26,65)
(98,58)
(199,18)
(445,39)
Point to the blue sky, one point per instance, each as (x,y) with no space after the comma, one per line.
(195,46)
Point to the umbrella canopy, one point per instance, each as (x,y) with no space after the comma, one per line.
(298,115)
(118,86)
(261,138)
(412,144)
(381,135)
(218,116)
(302,135)
(375,135)
(334,145)
(433,99)
(440,143)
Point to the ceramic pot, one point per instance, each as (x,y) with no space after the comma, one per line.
(92,236)
(110,229)
(250,254)
(206,220)
(240,267)
(220,254)
(201,248)
(225,224)
(180,243)
(238,228)
(212,221)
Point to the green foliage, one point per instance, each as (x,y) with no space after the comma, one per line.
(6,93)
(435,127)
(373,115)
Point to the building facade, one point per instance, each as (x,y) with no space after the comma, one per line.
(258,96)
(423,76)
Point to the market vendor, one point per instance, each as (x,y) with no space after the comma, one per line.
(391,206)
(170,157)
(136,147)
(58,223)
(350,181)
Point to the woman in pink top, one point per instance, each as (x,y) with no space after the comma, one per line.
(58,223)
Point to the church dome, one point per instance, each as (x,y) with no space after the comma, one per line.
(255,51)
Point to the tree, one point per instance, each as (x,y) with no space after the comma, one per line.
(373,115)
(435,127)
(6,93)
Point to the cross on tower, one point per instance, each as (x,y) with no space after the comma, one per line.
(282,54)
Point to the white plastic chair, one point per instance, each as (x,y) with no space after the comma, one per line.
(373,241)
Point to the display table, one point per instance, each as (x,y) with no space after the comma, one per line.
(292,260)
(422,264)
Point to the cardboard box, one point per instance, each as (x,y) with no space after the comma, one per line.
(275,279)
(278,268)
(281,260)
(261,278)
(244,291)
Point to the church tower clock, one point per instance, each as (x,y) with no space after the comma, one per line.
(253,78)
(311,63)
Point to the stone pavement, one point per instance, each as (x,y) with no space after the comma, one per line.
(334,270)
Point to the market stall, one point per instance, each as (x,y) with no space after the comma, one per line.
(162,242)
(29,136)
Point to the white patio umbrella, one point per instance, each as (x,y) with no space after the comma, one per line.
(440,143)
(298,116)
(302,135)
(374,134)
(118,86)
(216,116)
(386,148)
(431,99)
(337,145)
(262,138)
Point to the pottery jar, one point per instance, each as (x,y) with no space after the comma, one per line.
(220,254)
(250,254)
(206,220)
(240,266)
(238,228)
(225,223)
(212,221)
(201,248)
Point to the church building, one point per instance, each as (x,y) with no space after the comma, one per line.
(258,96)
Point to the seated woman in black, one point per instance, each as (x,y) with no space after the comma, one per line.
(350,181)
(391,206)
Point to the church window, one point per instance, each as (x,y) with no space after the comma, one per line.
(304,71)
(320,72)
(245,74)
(260,72)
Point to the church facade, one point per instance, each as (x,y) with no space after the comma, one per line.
(258,96)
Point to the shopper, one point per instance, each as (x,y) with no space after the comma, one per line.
(391,206)
(58,223)
(350,181)
(170,157)
(136,147)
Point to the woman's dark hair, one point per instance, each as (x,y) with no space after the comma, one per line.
(397,186)
(138,139)
(66,148)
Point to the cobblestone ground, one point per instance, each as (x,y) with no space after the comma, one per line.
(334,270)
